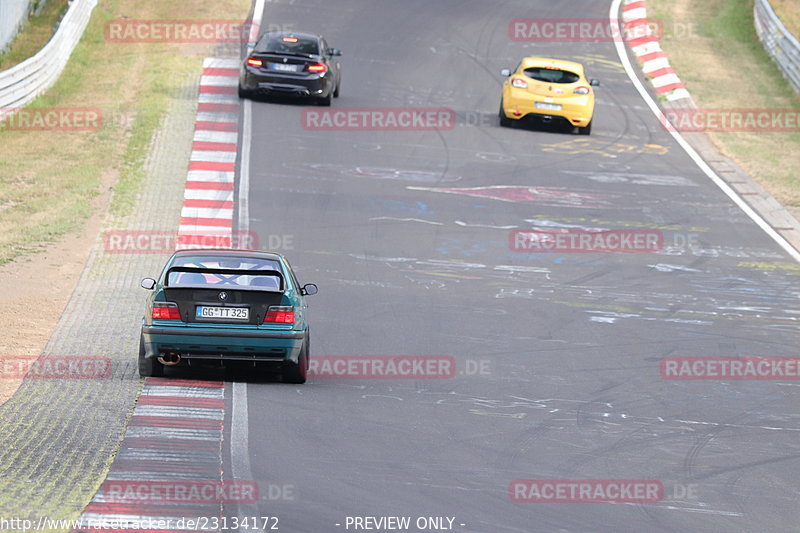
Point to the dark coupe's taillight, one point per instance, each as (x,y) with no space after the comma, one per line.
(254,62)
(165,311)
(280,314)
(318,67)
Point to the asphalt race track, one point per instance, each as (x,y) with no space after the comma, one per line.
(557,354)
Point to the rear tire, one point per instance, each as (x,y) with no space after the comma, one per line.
(325,101)
(587,130)
(336,90)
(296,372)
(243,93)
(148,368)
(505,122)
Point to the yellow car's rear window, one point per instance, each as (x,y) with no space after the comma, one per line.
(551,75)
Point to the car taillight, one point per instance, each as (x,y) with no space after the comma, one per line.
(317,67)
(519,83)
(581,90)
(280,314)
(165,311)
(253,62)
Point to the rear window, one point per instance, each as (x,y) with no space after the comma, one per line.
(220,281)
(222,261)
(176,279)
(550,75)
(287,44)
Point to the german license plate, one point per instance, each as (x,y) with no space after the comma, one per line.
(284,67)
(543,105)
(235,313)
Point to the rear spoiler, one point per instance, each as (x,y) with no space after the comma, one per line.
(228,272)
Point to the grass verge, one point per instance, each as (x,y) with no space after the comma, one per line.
(50,179)
(34,34)
(714,48)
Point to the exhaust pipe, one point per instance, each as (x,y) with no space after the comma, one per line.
(169,359)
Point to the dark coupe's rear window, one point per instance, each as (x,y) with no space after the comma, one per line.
(549,75)
(287,44)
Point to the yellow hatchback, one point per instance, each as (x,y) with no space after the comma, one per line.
(550,90)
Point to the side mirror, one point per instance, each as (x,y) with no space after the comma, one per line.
(505,72)
(334,52)
(309,289)
(148,283)
(594,83)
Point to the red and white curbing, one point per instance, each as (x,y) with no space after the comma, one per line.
(649,53)
(175,434)
(208,197)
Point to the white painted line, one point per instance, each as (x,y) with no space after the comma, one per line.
(755,217)
(229,137)
(240,448)
(211,98)
(205,231)
(187,456)
(207,212)
(146,432)
(141,475)
(215,62)
(258,13)
(655,64)
(678,94)
(183,392)
(178,412)
(244,167)
(213,156)
(666,79)
(208,194)
(646,48)
(217,116)
(632,14)
(216,176)
(219,81)
(195,230)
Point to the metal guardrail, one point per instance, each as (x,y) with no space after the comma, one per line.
(13,13)
(22,83)
(779,43)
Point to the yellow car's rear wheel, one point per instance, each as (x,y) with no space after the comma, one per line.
(504,120)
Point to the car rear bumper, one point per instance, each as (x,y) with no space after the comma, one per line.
(217,344)
(576,113)
(277,85)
